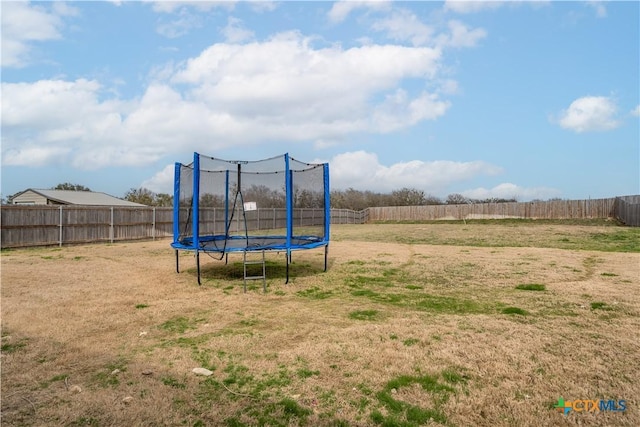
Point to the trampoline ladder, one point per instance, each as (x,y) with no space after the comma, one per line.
(258,262)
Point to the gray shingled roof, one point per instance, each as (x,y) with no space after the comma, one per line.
(84,198)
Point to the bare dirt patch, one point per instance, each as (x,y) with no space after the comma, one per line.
(109,334)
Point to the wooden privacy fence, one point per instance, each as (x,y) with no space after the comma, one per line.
(50,225)
(23,226)
(557,209)
(627,210)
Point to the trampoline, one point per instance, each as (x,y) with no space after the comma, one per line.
(229,206)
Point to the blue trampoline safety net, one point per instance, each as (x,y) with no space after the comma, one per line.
(230,206)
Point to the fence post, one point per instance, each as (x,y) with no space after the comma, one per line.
(111,226)
(153,229)
(60,225)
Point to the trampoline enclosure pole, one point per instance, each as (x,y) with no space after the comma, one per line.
(196,202)
(288,254)
(198,266)
(327,203)
(176,203)
(326,252)
(289,201)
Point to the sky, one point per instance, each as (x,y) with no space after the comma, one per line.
(526,100)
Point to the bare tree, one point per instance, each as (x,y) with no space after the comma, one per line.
(71,187)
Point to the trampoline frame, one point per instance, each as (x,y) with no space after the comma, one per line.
(248,243)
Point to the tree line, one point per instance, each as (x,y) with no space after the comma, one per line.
(359,199)
(269,198)
(340,199)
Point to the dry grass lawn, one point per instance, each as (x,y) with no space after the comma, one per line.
(413,324)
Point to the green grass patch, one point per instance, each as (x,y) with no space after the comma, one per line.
(514,310)
(281,413)
(609,237)
(55,378)
(401,413)
(358,281)
(624,240)
(107,378)
(426,302)
(139,306)
(248,322)
(452,305)
(531,287)
(364,315)
(599,305)
(410,341)
(173,383)
(85,421)
(12,347)
(180,324)
(314,293)
(306,373)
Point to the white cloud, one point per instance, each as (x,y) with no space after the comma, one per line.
(403,25)
(461,36)
(55,121)
(512,191)
(179,26)
(51,103)
(166,6)
(183,16)
(283,89)
(341,9)
(364,171)
(161,182)
(24,24)
(590,113)
(398,111)
(260,6)
(284,81)
(636,111)
(235,32)
(471,6)
(599,8)
(475,6)
(37,155)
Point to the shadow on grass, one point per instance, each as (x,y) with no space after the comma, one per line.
(232,270)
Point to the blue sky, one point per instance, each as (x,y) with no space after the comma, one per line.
(531,100)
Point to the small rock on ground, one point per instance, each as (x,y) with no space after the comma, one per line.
(202,371)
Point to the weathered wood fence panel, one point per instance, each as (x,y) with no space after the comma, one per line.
(23,226)
(560,209)
(627,210)
(56,225)
(348,216)
(51,225)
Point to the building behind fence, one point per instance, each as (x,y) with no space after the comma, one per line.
(23,226)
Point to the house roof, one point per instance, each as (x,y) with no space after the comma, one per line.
(91,198)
